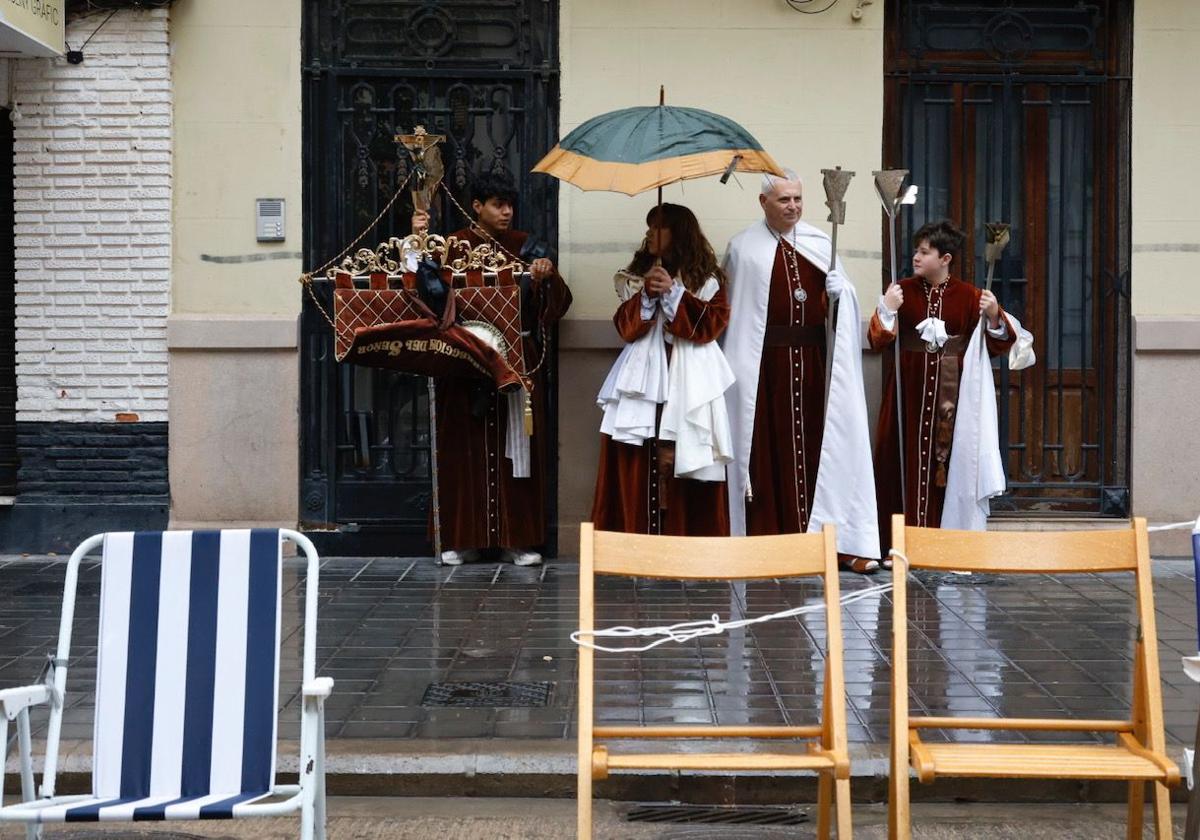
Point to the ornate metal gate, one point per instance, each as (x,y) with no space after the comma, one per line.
(485,74)
(1020,112)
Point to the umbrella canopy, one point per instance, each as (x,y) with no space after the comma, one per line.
(637,149)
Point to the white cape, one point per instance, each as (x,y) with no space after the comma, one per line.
(692,388)
(845,492)
(976,472)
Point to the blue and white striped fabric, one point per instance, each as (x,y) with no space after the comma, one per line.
(187,678)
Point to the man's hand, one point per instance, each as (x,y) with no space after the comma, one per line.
(420,221)
(658,282)
(893,298)
(540,269)
(989,306)
(835,281)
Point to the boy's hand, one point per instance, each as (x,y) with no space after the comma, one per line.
(658,281)
(989,306)
(420,221)
(540,269)
(893,298)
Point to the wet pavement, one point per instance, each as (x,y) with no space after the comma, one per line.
(981,645)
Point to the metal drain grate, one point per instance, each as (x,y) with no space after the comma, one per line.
(488,695)
(932,579)
(715,815)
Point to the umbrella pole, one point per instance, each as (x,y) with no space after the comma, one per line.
(662,100)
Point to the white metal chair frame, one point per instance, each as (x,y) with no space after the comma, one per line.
(308,796)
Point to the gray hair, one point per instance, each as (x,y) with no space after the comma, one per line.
(769,181)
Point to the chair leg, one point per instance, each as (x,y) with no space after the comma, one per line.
(306,820)
(319,780)
(899,818)
(583,809)
(1137,798)
(33,831)
(844,831)
(824,803)
(308,759)
(1162,812)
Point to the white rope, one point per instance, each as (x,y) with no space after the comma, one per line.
(687,630)
(1193,524)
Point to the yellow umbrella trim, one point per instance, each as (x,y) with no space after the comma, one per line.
(634,178)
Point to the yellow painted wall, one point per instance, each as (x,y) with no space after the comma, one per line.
(809,87)
(1166,161)
(236,72)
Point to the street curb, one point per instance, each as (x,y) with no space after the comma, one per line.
(528,768)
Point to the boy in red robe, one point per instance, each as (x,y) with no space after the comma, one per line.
(934,312)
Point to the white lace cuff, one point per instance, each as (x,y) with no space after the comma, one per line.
(670,301)
(887,318)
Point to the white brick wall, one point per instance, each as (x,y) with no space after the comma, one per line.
(93,224)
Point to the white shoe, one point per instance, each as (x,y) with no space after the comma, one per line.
(522,558)
(457,558)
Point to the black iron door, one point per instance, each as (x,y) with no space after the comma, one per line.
(485,75)
(1020,112)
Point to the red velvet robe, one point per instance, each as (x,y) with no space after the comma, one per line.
(482,504)
(789,414)
(956,303)
(636,491)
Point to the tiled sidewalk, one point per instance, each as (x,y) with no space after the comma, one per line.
(1017,646)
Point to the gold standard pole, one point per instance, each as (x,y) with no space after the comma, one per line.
(888,183)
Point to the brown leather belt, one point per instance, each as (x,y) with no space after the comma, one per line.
(945,406)
(793,335)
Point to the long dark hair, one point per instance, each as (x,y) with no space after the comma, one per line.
(689,255)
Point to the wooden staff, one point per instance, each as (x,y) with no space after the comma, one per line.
(997,235)
(428,170)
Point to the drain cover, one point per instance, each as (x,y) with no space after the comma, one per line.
(488,695)
(955,579)
(715,815)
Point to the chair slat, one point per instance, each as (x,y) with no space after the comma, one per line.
(705,558)
(718,761)
(1040,761)
(1032,552)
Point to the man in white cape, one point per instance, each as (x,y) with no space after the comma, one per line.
(802,459)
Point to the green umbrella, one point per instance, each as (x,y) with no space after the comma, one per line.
(637,149)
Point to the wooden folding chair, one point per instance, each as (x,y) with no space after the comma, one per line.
(718,558)
(1137,754)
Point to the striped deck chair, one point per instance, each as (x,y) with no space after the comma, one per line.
(187,686)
